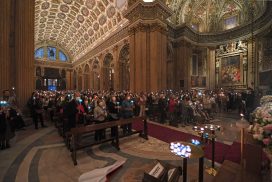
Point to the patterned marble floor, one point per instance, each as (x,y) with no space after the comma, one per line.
(40,155)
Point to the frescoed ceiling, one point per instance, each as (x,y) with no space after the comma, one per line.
(76,25)
(209,14)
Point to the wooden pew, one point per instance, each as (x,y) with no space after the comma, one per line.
(77,132)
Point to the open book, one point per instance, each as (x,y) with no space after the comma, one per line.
(100,175)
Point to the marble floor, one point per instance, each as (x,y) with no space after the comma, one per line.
(40,155)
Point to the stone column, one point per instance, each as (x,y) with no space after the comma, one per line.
(251,65)
(211,76)
(100,72)
(183,65)
(116,68)
(148,45)
(69,78)
(5,20)
(24,49)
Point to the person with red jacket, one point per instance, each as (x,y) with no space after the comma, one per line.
(171,108)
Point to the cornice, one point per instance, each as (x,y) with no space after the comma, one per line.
(148,25)
(111,41)
(148,11)
(53,64)
(183,32)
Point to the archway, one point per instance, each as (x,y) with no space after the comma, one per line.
(87,77)
(79,81)
(108,72)
(170,67)
(39,84)
(124,78)
(74,80)
(96,75)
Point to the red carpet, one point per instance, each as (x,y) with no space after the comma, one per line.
(222,151)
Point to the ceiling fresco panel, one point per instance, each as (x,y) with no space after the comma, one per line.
(75,24)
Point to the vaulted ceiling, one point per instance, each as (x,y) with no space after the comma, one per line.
(76,25)
(209,14)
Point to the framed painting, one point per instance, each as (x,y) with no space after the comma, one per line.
(198,81)
(231,72)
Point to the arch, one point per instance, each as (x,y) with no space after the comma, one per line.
(79,79)
(74,80)
(170,65)
(63,74)
(38,71)
(39,84)
(124,78)
(107,60)
(95,74)
(108,72)
(87,77)
(51,53)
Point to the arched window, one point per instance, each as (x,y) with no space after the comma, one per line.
(51,53)
(62,56)
(39,53)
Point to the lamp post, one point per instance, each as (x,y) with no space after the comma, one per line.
(242,124)
(208,132)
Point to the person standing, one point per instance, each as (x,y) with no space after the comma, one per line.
(113,108)
(142,103)
(35,105)
(162,104)
(71,110)
(100,115)
(127,112)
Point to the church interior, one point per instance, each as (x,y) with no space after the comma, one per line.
(136,90)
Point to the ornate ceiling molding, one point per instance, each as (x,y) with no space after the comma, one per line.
(119,36)
(209,15)
(75,25)
(52,64)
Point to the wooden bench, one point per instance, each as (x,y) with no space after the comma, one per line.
(77,132)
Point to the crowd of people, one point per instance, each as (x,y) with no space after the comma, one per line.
(185,107)
(10,118)
(87,107)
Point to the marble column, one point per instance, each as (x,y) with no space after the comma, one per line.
(211,77)
(5,20)
(148,45)
(116,68)
(182,65)
(24,49)
(69,78)
(251,65)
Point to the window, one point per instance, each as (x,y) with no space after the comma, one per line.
(51,53)
(195,27)
(230,22)
(52,84)
(62,56)
(39,53)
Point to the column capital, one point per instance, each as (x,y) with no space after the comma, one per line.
(139,9)
(147,26)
